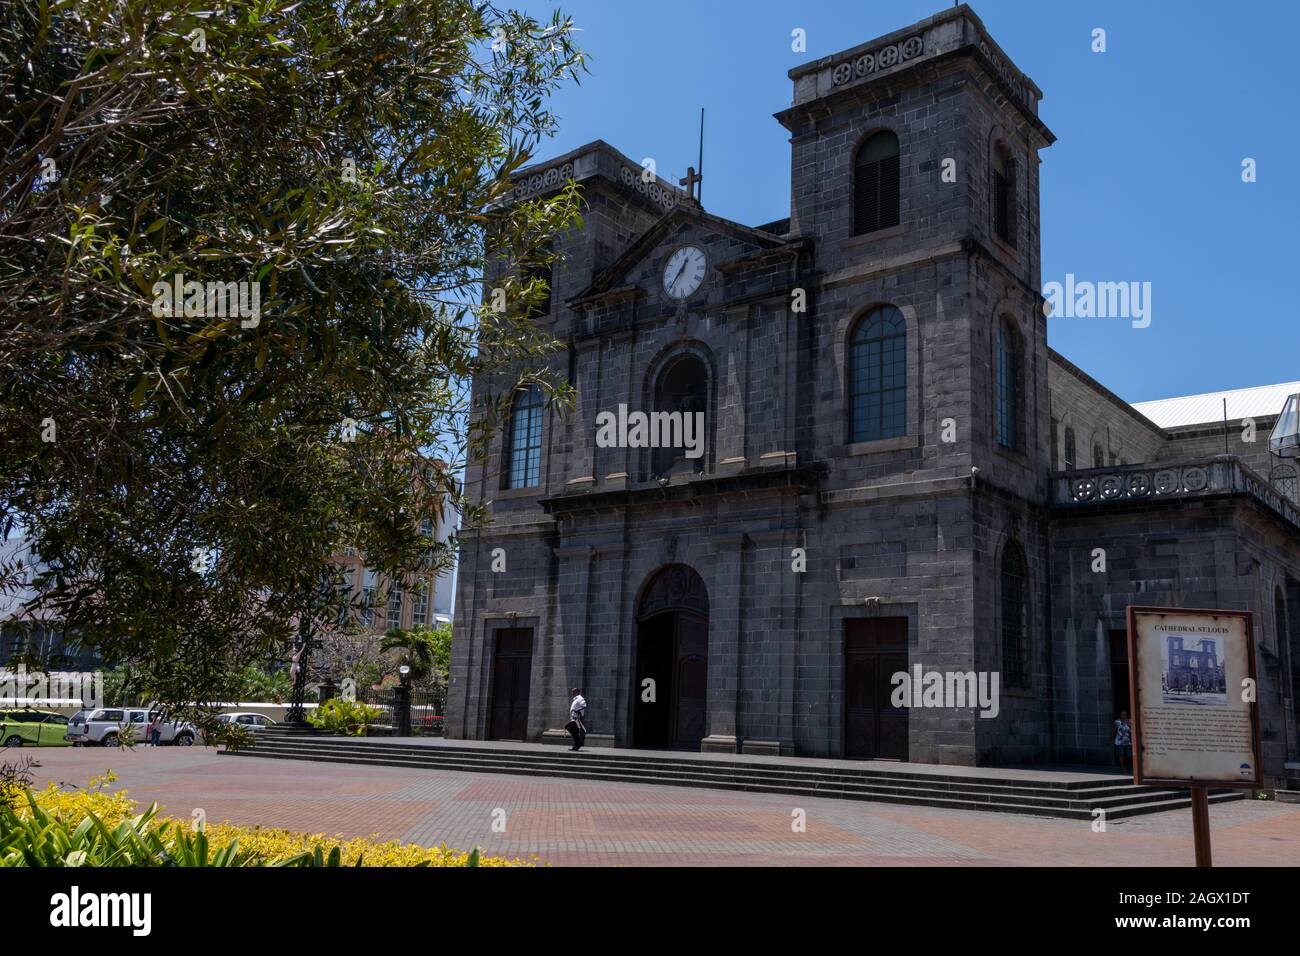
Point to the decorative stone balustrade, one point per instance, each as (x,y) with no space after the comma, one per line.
(1135,484)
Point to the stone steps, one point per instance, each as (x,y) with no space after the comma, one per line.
(1068,798)
(1096,795)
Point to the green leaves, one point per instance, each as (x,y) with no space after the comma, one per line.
(344,718)
(178,431)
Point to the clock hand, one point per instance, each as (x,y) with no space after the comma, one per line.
(679,273)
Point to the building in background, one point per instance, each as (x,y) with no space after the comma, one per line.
(384,606)
(33,635)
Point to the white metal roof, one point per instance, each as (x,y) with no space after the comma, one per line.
(1262,401)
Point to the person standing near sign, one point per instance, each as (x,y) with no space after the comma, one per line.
(1123,741)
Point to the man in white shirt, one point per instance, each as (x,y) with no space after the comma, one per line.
(576,727)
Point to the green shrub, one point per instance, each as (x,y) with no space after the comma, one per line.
(345,718)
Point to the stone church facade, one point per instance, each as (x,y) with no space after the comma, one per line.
(896,472)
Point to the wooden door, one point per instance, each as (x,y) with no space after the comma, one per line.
(690,680)
(512,668)
(874,650)
(1119,682)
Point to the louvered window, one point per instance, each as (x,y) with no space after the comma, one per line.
(1009,378)
(546,273)
(1004,196)
(1279,619)
(875,184)
(542,308)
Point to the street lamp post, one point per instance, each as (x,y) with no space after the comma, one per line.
(404,701)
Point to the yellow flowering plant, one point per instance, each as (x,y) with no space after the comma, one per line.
(111,810)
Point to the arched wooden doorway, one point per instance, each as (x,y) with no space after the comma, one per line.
(672,652)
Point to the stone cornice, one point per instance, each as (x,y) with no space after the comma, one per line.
(885,63)
(626,293)
(793,250)
(797,480)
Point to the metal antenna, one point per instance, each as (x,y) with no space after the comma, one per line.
(700,167)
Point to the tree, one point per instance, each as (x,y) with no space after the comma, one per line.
(349,653)
(414,649)
(240,247)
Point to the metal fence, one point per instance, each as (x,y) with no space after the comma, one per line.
(426,710)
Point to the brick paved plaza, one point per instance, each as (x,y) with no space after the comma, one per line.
(583,822)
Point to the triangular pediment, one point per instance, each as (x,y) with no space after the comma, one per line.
(726,241)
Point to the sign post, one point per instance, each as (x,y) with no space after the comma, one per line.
(1195,710)
(1201,825)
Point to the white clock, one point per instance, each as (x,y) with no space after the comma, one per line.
(684,272)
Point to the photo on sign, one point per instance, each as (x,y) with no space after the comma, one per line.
(1191,668)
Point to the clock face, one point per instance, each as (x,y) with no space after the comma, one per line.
(684,272)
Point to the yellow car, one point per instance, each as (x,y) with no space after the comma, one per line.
(33,728)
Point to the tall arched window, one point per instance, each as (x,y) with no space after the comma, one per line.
(683,386)
(1015,642)
(875,184)
(1009,379)
(1069,448)
(878,376)
(1098,457)
(525,455)
(1279,619)
(1004,194)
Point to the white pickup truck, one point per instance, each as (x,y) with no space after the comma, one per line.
(107,726)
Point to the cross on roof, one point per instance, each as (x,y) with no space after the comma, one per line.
(690,180)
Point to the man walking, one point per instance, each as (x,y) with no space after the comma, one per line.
(577,711)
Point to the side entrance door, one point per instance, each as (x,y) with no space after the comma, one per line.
(874,650)
(512,668)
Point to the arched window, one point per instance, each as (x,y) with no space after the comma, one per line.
(1098,457)
(1069,448)
(683,387)
(1279,619)
(1015,643)
(1284,480)
(878,376)
(525,457)
(1004,194)
(1009,379)
(875,184)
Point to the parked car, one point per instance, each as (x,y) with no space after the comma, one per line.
(106,726)
(247,719)
(33,728)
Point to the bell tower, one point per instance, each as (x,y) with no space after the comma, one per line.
(914,161)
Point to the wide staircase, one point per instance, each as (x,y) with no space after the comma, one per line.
(1070,795)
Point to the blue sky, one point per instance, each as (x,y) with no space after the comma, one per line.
(1143,183)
